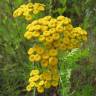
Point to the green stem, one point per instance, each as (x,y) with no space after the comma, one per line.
(50,6)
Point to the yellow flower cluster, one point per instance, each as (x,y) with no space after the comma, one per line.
(56,33)
(44,57)
(27,10)
(49,35)
(42,81)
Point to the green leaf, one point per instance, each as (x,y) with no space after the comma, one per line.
(63,2)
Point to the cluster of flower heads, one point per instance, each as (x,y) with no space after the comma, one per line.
(42,81)
(44,57)
(49,35)
(56,33)
(27,10)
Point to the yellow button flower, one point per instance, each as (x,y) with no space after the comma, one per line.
(32,58)
(30,5)
(28,35)
(47,18)
(45,22)
(55,77)
(28,17)
(32,84)
(40,89)
(34,72)
(46,33)
(37,27)
(54,83)
(69,27)
(44,63)
(67,21)
(28,26)
(31,28)
(35,34)
(59,29)
(56,36)
(47,84)
(53,61)
(52,30)
(49,39)
(28,88)
(60,18)
(17,13)
(45,55)
(39,50)
(53,20)
(53,52)
(48,76)
(41,8)
(35,22)
(44,28)
(37,57)
(41,38)
(34,78)
(31,51)
(52,25)
(41,83)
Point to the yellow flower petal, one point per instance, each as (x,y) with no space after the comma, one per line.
(34,72)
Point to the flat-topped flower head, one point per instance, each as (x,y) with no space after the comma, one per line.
(27,10)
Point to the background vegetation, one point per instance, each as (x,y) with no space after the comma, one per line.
(14,64)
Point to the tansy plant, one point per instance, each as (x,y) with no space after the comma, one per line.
(50,37)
